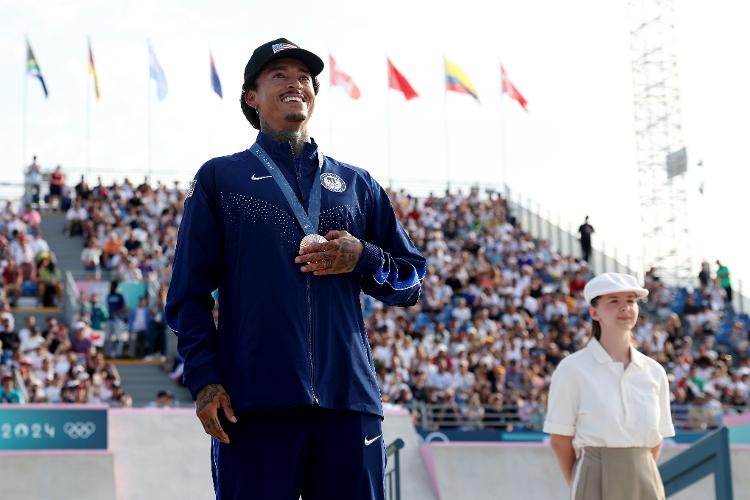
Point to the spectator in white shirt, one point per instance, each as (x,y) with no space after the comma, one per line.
(91,257)
(461,313)
(32,342)
(608,408)
(39,244)
(25,332)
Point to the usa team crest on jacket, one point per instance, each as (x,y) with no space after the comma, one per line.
(333,182)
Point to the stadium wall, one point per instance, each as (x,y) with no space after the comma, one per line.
(484,471)
(165,454)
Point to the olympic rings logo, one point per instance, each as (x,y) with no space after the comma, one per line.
(76,430)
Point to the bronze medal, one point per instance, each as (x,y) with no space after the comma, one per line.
(309,239)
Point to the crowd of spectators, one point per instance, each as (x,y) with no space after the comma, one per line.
(48,363)
(28,266)
(498,311)
(44,363)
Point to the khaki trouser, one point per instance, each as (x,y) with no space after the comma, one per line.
(616,474)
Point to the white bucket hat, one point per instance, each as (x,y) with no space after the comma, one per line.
(612,283)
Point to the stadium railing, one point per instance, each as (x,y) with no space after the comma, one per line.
(71,306)
(434,416)
(688,417)
(709,455)
(393,476)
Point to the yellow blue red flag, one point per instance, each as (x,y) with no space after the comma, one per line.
(456,80)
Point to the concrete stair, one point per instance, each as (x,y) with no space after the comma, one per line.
(144,379)
(66,250)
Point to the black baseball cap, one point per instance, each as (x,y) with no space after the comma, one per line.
(279,49)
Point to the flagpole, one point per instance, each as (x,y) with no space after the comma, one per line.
(330,105)
(445,120)
(388,126)
(25,107)
(504,153)
(210,134)
(330,118)
(148,127)
(88,117)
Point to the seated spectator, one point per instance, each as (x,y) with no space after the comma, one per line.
(23,254)
(58,341)
(132,243)
(53,388)
(91,257)
(37,393)
(12,281)
(67,393)
(82,390)
(473,414)
(80,342)
(32,218)
(119,398)
(82,190)
(74,219)
(128,270)
(164,399)
(9,341)
(34,341)
(8,391)
(49,283)
(112,246)
(25,332)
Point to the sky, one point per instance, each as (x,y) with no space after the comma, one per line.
(572,153)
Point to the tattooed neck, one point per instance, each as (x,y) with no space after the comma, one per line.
(295,138)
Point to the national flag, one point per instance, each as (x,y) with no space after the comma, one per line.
(511,90)
(156,73)
(92,70)
(215,82)
(457,80)
(343,80)
(32,68)
(397,81)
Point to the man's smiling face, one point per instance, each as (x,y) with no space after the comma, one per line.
(284,95)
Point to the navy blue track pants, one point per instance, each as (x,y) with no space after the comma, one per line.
(315,453)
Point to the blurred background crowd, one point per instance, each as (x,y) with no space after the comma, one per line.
(499,310)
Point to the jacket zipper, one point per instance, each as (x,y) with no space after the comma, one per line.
(298,174)
(309,340)
(316,401)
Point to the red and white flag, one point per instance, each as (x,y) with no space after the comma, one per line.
(511,90)
(342,80)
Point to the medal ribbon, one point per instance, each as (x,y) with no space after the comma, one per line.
(308,221)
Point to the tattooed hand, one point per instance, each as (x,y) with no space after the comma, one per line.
(209,400)
(339,254)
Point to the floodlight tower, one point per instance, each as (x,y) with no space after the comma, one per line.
(660,151)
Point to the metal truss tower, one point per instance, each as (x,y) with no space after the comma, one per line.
(658,133)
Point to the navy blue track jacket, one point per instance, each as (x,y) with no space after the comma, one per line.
(285,338)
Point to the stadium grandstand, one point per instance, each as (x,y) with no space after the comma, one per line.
(86,265)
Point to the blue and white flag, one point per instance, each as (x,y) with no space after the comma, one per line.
(156,73)
(215,82)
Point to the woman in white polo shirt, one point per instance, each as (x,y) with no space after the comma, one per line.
(608,405)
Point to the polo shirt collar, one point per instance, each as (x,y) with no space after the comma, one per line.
(601,356)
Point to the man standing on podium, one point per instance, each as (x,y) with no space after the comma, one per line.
(285,383)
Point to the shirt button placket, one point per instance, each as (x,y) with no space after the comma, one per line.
(625,399)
